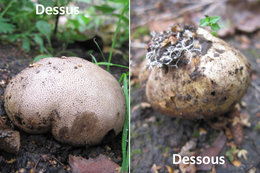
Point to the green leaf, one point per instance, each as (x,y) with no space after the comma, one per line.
(204,21)
(26,44)
(47,3)
(45,28)
(6,27)
(215,27)
(37,58)
(214,19)
(214,33)
(38,40)
(13,37)
(106,9)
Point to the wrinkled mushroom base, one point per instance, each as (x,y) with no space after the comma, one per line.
(210,85)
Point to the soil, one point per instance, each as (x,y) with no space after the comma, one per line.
(154,136)
(42,153)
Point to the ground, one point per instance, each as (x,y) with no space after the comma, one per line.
(42,153)
(154,136)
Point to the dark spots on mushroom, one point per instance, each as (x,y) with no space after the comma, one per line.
(86,123)
(205,44)
(216,55)
(109,136)
(222,100)
(172,98)
(236,70)
(49,62)
(187,97)
(179,97)
(55,68)
(213,93)
(23,86)
(118,114)
(37,71)
(189,81)
(195,102)
(18,119)
(59,71)
(219,51)
(75,67)
(196,74)
(183,83)
(22,78)
(213,83)
(156,78)
(64,133)
(205,100)
(55,114)
(198,111)
(166,69)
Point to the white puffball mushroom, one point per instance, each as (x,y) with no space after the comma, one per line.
(79,102)
(194,81)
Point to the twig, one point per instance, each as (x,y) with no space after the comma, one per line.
(37,163)
(57,160)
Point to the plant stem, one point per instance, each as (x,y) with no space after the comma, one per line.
(8,6)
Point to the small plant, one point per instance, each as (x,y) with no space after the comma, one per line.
(212,22)
(230,154)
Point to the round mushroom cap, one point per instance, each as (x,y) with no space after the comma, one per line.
(210,85)
(79,102)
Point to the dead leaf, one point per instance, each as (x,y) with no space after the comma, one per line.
(228,134)
(242,153)
(213,151)
(143,105)
(101,164)
(202,131)
(155,168)
(10,161)
(187,168)
(236,163)
(252,170)
(169,169)
(186,149)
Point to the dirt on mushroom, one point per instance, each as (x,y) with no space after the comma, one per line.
(194,83)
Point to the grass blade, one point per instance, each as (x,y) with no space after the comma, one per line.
(116,32)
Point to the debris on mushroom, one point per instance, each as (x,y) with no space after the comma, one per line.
(79,102)
(194,76)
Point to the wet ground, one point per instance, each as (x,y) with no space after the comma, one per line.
(42,153)
(155,137)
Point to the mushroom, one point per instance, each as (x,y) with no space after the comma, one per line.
(79,102)
(193,74)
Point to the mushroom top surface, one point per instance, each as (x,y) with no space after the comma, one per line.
(67,96)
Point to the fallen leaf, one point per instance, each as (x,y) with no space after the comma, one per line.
(143,105)
(252,170)
(228,134)
(101,164)
(155,168)
(202,131)
(10,161)
(169,169)
(236,163)
(186,149)
(213,151)
(186,168)
(242,153)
